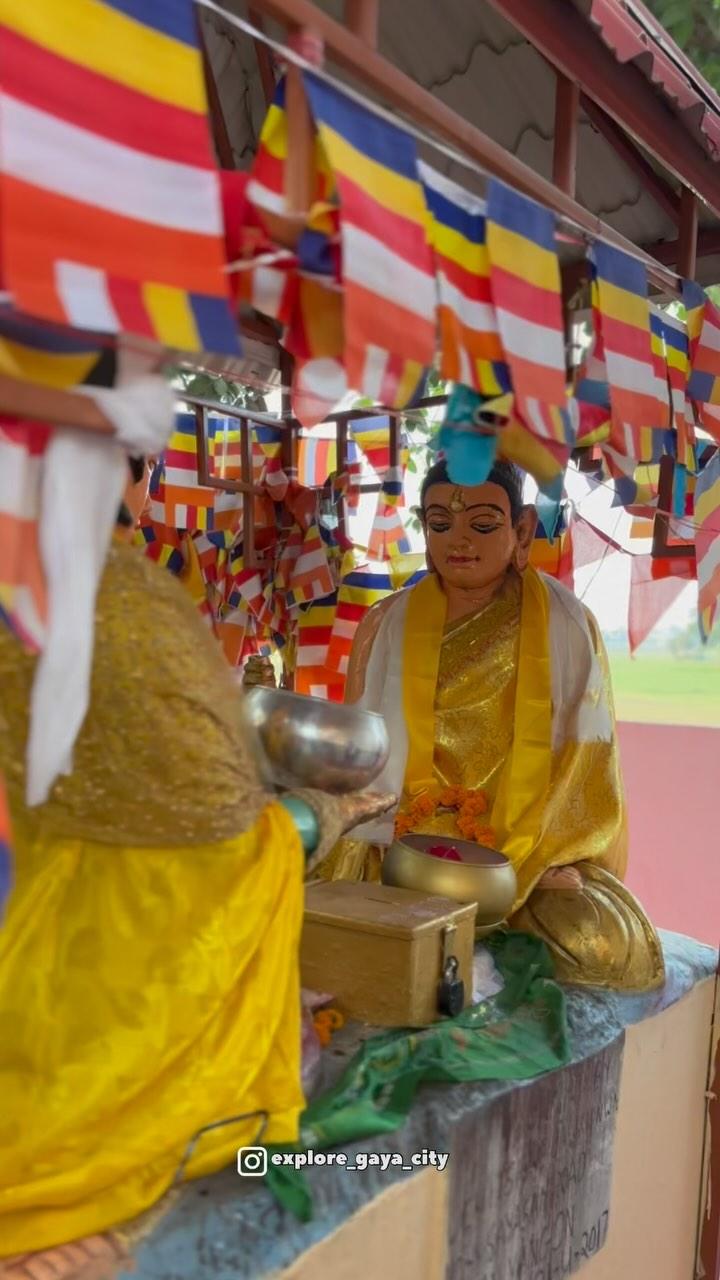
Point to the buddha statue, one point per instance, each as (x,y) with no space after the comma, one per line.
(494,684)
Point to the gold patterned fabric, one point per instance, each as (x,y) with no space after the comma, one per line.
(149,982)
(599,934)
(162,757)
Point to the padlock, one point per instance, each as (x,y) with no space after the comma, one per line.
(451,992)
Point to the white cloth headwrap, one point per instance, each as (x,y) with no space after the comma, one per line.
(580,707)
(84,477)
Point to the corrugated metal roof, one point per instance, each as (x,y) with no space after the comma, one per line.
(469,56)
(634,35)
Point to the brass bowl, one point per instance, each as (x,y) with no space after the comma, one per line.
(309,742)
(483,876)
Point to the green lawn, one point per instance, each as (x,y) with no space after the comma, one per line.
(667,690)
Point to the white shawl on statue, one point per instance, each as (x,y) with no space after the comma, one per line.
(581,711)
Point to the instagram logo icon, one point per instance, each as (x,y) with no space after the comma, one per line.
(252,1162)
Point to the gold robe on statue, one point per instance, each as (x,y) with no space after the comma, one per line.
(149,982)
(599,935)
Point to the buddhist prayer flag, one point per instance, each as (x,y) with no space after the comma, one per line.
(387,536)
(372,435)
(707,543)
(317,459)
(704,332)
(111,216)
(311,577)
(266,185)
(654,588)
(177,498)
(525,283)
(675,339)
(387,268)
(51,355)
(362,585)
(314,631)
(470,343)
(554,558)
(636,396)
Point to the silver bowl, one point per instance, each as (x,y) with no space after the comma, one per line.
(309,742)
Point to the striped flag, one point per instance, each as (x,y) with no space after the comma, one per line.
(311,577)
(675,339)
(23,595)
(161,544)
(177,498)
(470,343)
(314,630)
(704,332)
(361,586)
(707,543)
(554,558)
(372,436)
(525,284)
(53,356)
(266,184)
(387,267)
(636,396)
(111,216)
(638,492)
(388,538)
(317,459)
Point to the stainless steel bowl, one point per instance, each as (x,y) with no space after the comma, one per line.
(309,742)
(483,876)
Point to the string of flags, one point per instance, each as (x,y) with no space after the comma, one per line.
(397,269)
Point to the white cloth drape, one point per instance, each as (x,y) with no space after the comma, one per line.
(84,477)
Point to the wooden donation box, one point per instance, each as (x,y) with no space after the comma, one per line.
(381,952)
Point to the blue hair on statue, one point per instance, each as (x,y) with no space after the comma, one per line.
(469,455)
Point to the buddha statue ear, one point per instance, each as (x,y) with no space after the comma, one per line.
(525,533)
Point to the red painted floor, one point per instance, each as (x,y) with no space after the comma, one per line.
(672,778)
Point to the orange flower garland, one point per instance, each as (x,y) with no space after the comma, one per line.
(470,808)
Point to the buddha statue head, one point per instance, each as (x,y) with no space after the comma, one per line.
(476,533)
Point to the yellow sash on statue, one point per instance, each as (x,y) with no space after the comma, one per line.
(518,809)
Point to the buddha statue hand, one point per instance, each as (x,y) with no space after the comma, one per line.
(561,878)
(336,815)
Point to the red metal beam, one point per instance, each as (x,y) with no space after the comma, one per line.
(362,18)
(221,137)
(688,237)
(567,40)
(567,100)
(264,59)
(400,90)
(661,191)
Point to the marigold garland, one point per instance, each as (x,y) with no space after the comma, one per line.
(470,807)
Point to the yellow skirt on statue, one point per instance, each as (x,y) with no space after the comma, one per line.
(145,993)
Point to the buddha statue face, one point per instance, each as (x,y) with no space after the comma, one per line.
(473,534)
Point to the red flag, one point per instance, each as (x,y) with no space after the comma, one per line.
(653,591)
